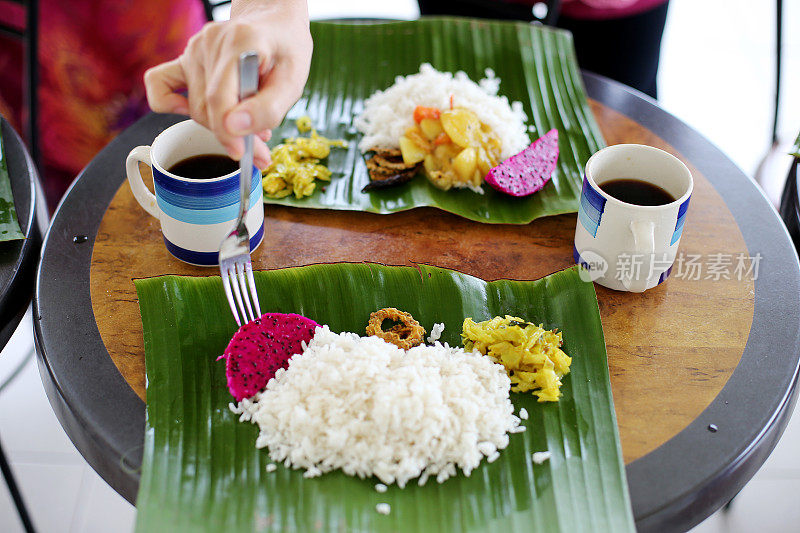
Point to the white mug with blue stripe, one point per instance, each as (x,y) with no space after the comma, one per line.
(623,246)
(195,214)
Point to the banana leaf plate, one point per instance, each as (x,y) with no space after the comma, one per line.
(9,225)
(536,65)
(202,472)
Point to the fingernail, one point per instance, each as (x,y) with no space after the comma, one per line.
(239,122)
(262,164)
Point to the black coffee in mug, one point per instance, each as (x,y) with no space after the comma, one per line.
(637,192)
(204,167)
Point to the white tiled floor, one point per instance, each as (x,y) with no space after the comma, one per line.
(62,492)
(716,75)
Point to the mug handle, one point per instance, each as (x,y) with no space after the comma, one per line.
(142,194)
(644,244)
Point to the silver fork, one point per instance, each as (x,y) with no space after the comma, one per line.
(234,252)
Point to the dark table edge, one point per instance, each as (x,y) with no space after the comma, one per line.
(724,484)
(93,446)
(105,451)
(694,506)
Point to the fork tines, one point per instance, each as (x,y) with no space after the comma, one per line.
(233,272)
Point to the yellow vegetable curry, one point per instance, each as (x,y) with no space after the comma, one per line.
(296,164)
(531,355)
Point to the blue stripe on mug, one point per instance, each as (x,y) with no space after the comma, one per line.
(680,222)
(196,187)
(207,202)
(200,194)
(684,207)
(664,275)
(207,258)
(678,231)
(596,199)
(590,210)
(207,216)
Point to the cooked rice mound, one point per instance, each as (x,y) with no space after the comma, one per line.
(369,408)
(389,113)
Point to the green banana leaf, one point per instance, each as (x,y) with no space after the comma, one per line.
(537,67)
(9,226)
(202,472)
(796,148)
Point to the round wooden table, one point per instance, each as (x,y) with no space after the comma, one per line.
(703,371)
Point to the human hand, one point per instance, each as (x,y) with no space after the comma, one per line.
(278,30)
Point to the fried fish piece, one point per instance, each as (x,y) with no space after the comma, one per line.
(391,180)
(406,334)
(378,172)
(390,162)
(387,169)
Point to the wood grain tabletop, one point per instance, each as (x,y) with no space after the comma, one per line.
(670,350)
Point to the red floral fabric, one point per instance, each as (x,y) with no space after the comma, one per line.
(92,59)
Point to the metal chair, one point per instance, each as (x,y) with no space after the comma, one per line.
(18,267)
(11,482)
(28,34)
(761,172)
(778,62)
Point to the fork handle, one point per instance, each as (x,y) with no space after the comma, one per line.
(248,86)
(245,176)
(248,74)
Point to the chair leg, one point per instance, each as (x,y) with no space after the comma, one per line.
(15,494)
(778,61)
(32,81)
(209,9)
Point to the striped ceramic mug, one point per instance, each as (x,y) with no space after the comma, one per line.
(195,214)
(624,246)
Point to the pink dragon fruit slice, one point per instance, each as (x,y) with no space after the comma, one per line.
(259,348)
(529,170)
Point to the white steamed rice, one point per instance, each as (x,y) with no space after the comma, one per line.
(389,113)
(541,457)
(436,333)
(366,407)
